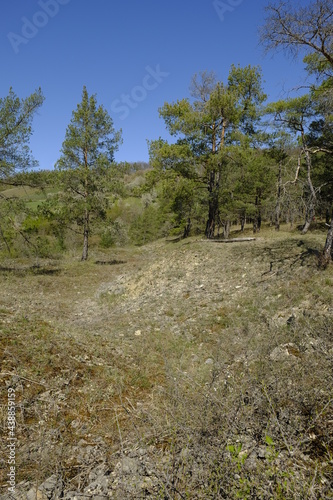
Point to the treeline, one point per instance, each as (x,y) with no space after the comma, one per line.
(234,158)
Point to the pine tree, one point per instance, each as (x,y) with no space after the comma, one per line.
(15,130)
(86,160)
(215,118)
(16,116)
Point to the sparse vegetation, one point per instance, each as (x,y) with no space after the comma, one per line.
(223,378)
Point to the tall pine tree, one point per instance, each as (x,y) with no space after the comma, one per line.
(87,157)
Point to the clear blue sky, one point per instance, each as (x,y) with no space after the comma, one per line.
(145,49)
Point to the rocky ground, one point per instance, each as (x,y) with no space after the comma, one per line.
(139,372)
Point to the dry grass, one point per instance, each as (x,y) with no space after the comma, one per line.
(200,350)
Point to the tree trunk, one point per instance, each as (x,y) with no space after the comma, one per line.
(86,210)
(310,210)
(85,235)
(5,241)
(210,226)
(213,187)
(278,199)
(243,221)
(327,255)
(327,216)
(257,217)
(226,229)
(257,223)
(308,218)
(187,228)
(213,205)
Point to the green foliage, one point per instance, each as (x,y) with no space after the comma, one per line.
(15,130)
(86,165)
(236,456)
(147,226)
(297,28)
(222,166)
(115,234)
(220,118)
(246,84)
(293,114)
(107,240)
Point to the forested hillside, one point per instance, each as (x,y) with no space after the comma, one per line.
(235,159)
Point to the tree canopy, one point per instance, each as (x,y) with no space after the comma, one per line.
(16,117)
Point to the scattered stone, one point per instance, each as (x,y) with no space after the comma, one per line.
(285,351)
(98,487)
(52,489)
(291,320)
(104,473)
(127,466)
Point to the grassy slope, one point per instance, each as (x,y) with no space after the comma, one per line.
(32,196)
(193,345)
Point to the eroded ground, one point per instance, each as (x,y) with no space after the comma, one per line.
(120,366)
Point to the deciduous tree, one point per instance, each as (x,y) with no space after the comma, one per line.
(296,116)
(308,29)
